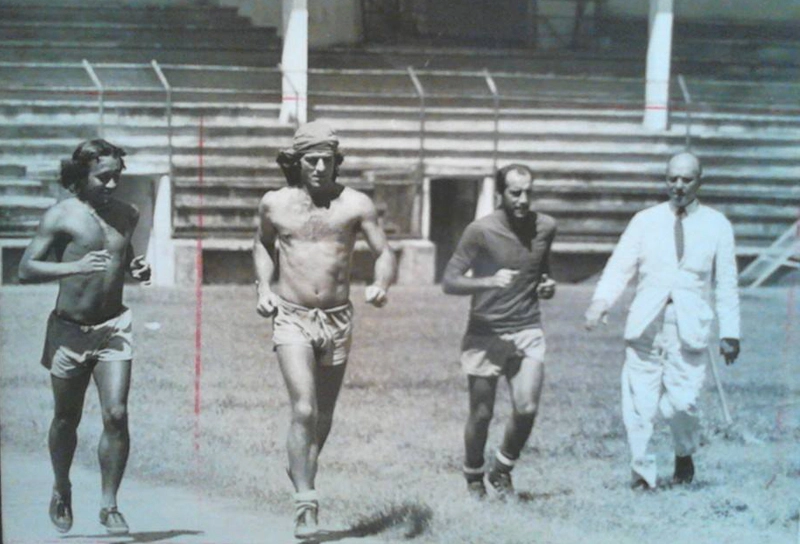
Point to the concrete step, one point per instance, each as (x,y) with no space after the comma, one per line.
(20,214)
(205,36)
(91,27)
(571,229)
(12,170)
(25,202)
(138,53)
(135,112)
(741,121)
(123,13)
(18,229)
(21,187)
(785,195)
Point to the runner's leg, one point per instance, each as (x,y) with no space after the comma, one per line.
(68,395)
(526,389)
(481,408)
(298,366)
(329,383)
(113,379)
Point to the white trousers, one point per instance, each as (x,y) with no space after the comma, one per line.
(661,373)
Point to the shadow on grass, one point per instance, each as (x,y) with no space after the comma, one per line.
(143,537)
(527,496)
(412,519)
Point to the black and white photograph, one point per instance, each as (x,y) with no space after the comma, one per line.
(384,271)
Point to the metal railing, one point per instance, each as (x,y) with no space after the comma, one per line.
(423,91)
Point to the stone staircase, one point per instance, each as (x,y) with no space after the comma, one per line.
(42,31)
(581,134)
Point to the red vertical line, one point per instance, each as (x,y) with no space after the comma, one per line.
(198,316)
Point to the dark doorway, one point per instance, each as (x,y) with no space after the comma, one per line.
(453,203)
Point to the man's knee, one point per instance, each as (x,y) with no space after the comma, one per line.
(305,413)
(66,421)
(115,417)
(482,414)
(526,408)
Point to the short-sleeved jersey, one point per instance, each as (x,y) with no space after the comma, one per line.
(489,244)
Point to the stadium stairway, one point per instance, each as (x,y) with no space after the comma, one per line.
(582,135)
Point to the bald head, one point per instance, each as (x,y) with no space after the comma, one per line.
(684,162)
(683,178)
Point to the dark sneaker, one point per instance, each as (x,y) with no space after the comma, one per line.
(305,519)
(476,489)
(640,484)
(61,511)
(501,482)
(684,470)
(113,521)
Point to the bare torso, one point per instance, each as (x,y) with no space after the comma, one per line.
(314,245)
(93,298)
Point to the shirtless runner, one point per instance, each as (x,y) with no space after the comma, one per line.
(89,332)
(302,256)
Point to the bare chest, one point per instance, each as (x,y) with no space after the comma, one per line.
(91,232)
(315,225)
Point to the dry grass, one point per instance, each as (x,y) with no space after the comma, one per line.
(392,464)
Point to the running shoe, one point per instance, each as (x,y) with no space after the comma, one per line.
(305,519)
(501,482)
(114,521)
(61,511)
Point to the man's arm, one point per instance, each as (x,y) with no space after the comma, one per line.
(385,263)
(619,270)
(34,267)
(456,282)
(726,293)
(547,286)
(263,262)
(139,268)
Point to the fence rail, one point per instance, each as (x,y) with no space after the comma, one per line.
(417,89)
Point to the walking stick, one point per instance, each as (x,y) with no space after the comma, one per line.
(718,383)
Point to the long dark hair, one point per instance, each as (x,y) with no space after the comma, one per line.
(75,170)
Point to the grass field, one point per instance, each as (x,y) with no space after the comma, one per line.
(392,464)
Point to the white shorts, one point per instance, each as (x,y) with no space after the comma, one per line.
(72,349)
(329,331)
(489,355)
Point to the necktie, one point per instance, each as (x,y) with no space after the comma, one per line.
(680,213)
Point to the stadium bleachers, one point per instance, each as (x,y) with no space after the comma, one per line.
(575,119)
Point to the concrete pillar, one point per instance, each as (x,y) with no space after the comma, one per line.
(425,213)
(160,248)
(659,53)
(294,61)
(485,204)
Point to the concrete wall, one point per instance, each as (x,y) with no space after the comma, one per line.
(334,22)
(742,11)
(330,22)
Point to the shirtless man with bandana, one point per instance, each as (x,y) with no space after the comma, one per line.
(302,255)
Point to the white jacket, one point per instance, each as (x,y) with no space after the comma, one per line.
(648,247)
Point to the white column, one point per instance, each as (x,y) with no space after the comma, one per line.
(294,61)
(659,53)
(425,214)
(485,204)
(161,249)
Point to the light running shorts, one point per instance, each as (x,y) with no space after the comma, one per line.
(72,349)
(490,355)
(329,332)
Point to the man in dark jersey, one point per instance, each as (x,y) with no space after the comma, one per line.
(88,334)
(507,252)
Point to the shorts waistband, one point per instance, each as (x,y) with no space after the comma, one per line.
(298,307)
(66,319)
